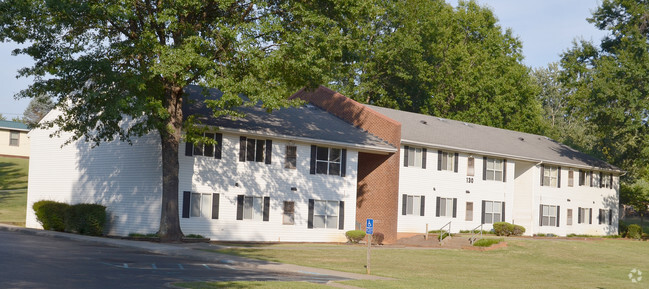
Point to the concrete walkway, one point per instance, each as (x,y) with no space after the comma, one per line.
(196,251)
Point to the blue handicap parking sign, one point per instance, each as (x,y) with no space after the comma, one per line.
(369,228)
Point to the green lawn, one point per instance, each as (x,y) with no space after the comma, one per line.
(525,263)
(13,190)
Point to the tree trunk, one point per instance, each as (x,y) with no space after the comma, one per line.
(170,139)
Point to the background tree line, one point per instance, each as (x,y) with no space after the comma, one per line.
(103,60)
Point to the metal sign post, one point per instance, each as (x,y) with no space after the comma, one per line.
(369,230)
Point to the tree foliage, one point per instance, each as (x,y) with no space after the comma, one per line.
(611,83)
(428,57)
(106,60)
(36,110)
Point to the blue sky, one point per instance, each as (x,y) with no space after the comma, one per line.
(546,28)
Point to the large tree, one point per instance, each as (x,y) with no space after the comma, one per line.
(36,110)
(611,84)
(428,57)
(106,60)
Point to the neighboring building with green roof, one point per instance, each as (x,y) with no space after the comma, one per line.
(13,139)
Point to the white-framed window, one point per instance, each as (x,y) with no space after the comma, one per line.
(446,207)
(585,216)
(325,214)
(595,179)
(470,166)
(493,212)
(494,169)
(606,180)
(586,178)
(288,214)
(571,178)
(328,161)
(447,161)
(14,138)
(550,176)
(255,149)
(569,217)
(253,208)
(605,217)
(469,211)
(200,205)
(205,149)
(414,157)
(413,205)
(290,161)
(549,215)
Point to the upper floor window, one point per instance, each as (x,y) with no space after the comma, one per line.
(494,169)
(255,150)
(328,161)
(470,166)
(291,157)
(447,161)
(586,178)
(607,180)
(571,178)
(206,149)
(551,176)
(414,157)
(14,138)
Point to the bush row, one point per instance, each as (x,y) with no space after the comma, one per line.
(85,219)
(355,236)
(507,229)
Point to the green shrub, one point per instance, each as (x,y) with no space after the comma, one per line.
(377,238)
(518,230)
(487,242)
(138,235)
(355,236)
(634,232)
(51,214)
(623,228)
(507,229)
(477,232)
(194,236)
(86,219)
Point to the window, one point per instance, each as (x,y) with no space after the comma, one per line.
(255,150)
(328,161)
(569,217)
(446,207)
(571,178)
(203,149)
(607,181)
(413,205)
(549,216)
(469,211)
(326,214)
(253,208)
(605,217)
(494,169)
(288,215)
(585,216)
(585,178)
(414,157)
(595,179)
(291,157)
(470,166)
(14,138)
(447,161)
(200,205)
(550,176)
(492,212)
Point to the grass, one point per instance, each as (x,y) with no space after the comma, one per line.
(251,284)
(487,242)
(13,190)
(555,263)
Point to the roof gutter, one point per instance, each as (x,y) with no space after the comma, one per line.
(509,156)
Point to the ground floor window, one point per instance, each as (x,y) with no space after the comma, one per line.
(569,217)
(253,208)
(549,215)
(469,211)
(288,215)
(492,212)
(585,216)
(605,217)
(413,205)
(326,214)
(200,205)
(446,207)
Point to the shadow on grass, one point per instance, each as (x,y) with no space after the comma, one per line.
(12,176)
(214,285)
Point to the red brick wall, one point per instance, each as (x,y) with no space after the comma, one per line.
(378,175)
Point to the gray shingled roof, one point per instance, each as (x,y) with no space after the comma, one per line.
(443,133)
(306,123)
(13,125)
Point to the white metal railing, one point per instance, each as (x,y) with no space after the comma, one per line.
(442,231)
(474,237)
